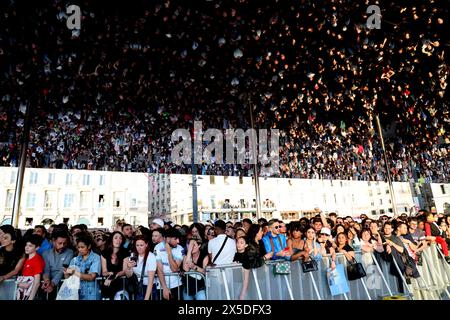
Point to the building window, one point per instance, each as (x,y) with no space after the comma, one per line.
(13,177)
(48,199)
(212,180)
(133,203)
(381,201)
(28,222)
(84,200)
(9,199)
(33,177)
(68,200)
(442,189)
(101,200)
(100,222)
(225,181)
(69,178)
(102,180)
(86,179)
(374,212)
(51,178)
(31,200)
(241,180)
(382,211)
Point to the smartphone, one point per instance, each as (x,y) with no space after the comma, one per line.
(133,257)
(65,265)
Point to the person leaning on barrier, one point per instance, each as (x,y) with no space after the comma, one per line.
(444,228)
(343,247)
(112,265)
(222,248)
(142,259)
(415,233)
(295,242)
(195,260)
(327,246)
(11,254)
(369,246)
(255,253)
(86,266)
(54,259)
(29,280)
(434,233)
(276,242)
(315,250)
(169,257)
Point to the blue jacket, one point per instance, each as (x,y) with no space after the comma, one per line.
(276,244)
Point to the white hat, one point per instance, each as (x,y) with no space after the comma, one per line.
(325,230)
(159,222)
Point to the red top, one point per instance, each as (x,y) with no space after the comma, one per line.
(33,266)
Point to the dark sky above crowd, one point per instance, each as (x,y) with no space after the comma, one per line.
(112,93)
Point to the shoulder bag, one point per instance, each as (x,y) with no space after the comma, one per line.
(282,267)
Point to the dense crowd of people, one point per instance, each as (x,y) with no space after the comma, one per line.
(108,97)
(167,261)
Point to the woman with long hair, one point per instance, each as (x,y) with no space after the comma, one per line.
(295,242)
(11,253)
(195,260)
(315,250)
(141,259)
(112,265)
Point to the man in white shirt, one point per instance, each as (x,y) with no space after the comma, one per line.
(169,256)
(226,255)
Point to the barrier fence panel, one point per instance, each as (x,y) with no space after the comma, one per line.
(226,282)
(8,289)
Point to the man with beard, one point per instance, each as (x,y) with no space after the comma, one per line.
(55,258)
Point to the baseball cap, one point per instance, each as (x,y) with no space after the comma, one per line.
(325,230)
(159,222)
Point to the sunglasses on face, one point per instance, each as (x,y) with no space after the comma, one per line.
(276,227)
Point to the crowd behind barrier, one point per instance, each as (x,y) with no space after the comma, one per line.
(323,258)
(110,96)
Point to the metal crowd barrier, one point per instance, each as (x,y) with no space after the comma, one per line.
(8,287)
(225,282)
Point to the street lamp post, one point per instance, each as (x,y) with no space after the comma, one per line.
(21,171)
(255,160)
(386,161)
(194,186)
